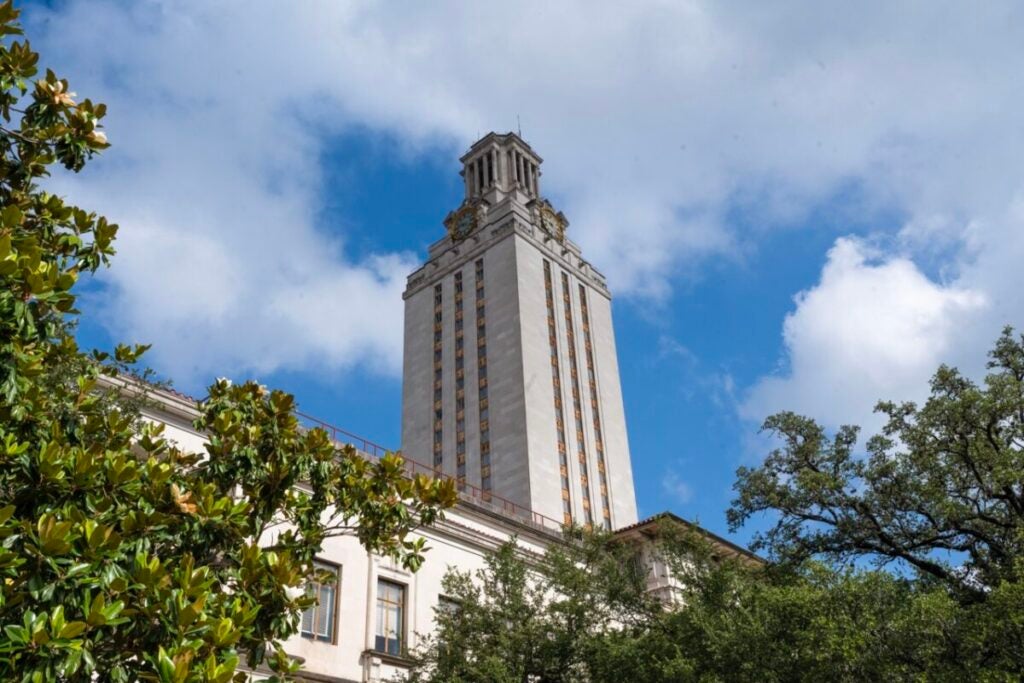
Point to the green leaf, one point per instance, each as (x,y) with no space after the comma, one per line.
(11,216)
(72,629)
(18,634)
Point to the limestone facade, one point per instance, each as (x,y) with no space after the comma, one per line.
(549,434)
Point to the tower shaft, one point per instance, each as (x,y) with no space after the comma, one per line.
(511,380)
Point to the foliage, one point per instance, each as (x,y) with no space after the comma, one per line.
(534,618)
(942,488)
(940,494)
(123,557)
(518,620)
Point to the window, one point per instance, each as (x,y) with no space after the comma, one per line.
(447,607)
(390,617)
(318,620)
(481,342)
(637,566)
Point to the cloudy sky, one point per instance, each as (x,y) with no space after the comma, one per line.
(798,205)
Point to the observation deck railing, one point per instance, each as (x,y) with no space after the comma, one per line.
(467,491)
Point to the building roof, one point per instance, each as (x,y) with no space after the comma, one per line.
(501,139)
(648,525)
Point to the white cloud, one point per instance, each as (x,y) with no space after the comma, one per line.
(872,328)
(656,119)
(215,180)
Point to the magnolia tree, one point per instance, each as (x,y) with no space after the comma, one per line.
(124,558)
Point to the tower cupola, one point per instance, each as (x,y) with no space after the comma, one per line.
(498,165)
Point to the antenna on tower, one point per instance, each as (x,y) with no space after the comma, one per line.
(519,128)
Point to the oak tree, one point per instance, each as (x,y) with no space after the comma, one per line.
(939,491)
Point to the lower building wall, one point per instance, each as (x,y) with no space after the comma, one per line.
(462,540)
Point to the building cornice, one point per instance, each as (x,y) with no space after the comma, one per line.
(495,138)
(514,220)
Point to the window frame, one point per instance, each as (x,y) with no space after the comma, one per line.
(403,613)
(323,565)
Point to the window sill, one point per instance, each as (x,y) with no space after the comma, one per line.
(388,658)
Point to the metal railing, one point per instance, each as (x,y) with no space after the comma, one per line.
(343,437)
(468,492)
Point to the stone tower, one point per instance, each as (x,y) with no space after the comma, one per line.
(511,381)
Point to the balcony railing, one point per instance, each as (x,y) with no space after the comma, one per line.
(468,492)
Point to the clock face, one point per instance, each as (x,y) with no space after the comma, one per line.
(462,223)
(553,224)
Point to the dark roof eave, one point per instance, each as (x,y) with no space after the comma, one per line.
(671,516)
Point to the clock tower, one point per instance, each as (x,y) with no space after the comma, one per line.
(510,378)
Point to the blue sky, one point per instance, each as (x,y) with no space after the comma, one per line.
(801,206)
